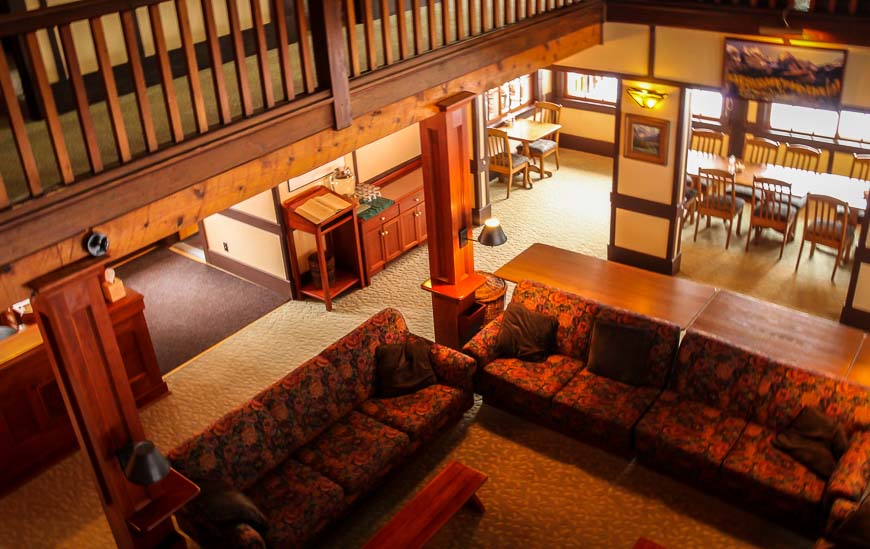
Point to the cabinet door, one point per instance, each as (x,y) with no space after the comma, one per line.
(408,229)
(420,217)
(392,239)
(373,249)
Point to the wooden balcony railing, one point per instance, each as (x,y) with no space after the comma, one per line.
(844,7)
(105,83)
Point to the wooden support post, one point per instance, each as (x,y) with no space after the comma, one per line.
(331,57)
(482,208)
(737,125)
(81,346)
(449,198)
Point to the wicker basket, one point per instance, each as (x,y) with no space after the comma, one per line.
(491,294)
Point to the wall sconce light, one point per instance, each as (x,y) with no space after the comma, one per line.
(491,235)
(143,463)
(647,99)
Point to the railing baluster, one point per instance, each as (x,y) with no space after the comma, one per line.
(52,120)
(305,47)
(530,8)
(279,19)
(459,9)
(418,26)
(519,11)
(485,14)
(241,65)
(403,29)
(386,33)
(472,17)
(496,15)
(113,103)
(352,45)
(445,22)
(192,67)
(128,25)
(430,17)
(217,62)
(508,12)
(369,28)
(86,122)
(169,98)
(263,54)
(19,131)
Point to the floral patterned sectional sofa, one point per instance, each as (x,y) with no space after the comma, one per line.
(307,447)
(707,411)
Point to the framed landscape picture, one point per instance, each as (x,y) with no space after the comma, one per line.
(646,139)
(760,71)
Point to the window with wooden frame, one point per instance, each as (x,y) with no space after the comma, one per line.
(844,127)
(706,106)
(512,96)
(592,88)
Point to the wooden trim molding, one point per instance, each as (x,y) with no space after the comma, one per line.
(641,205)
(587,145)
(644,261)
(252,220)
(252,274)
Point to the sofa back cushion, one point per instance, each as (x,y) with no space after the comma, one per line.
(786,390)
(718,374)
(665,338)
(575,314)
(247,442)
(354,355)
(851,406)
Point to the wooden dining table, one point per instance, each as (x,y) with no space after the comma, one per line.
(802,182)
(526,130)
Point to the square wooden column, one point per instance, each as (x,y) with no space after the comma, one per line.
(449,199)
(81,346)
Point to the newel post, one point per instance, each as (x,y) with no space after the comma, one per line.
(330,56)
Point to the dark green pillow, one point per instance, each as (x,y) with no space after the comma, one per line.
(403,368)
(527,335)
(620,352)
(813,439)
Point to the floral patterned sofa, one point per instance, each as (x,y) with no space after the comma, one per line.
(710,415)
(560,392)
(308,446)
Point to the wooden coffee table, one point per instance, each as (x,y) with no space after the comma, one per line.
(437,502)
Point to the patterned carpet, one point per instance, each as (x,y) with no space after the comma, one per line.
(545,490)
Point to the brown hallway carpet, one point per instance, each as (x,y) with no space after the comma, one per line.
(190,306)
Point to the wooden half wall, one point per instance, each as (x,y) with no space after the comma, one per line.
(476,71)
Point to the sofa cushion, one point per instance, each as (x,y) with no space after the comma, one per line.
(619,352)
(354,354)
(596,406)
(686,436)
(785,390)
(222,504)
(526,335)
(249,441)
(527,385)
(718,374)
(403,368)
(421,414)
(298,502)
(764,474)
(575,315)
(665,338)
(355,451)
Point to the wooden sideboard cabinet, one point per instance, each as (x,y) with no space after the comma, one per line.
(397,229)
(35,430)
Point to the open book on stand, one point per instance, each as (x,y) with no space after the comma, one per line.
(321,208)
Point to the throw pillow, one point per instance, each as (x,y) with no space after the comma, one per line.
(619,352)
(403,368)
(813,439)
(527,335)
(855,530)
(222,505)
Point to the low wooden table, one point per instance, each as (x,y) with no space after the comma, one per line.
(421,518)
(794,337)
(669,298)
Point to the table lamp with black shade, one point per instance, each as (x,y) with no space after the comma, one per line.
(143,463)
(491,235)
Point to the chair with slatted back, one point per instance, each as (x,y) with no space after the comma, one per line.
(691,197)
(802,157)
(548,113)
(827,223)
(707,141)
(502,161)
(860,167)
(718,199)
(771,208)
(761,151)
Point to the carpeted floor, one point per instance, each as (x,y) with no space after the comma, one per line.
(190,306)
(544,489)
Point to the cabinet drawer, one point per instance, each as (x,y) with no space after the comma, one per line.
(411,201)
(381,218)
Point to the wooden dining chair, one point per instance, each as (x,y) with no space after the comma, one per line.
(718,199)
(761,151)
(802,157)
(771,208)
(707,141)
(548,113)
(691,197)
(860,167)
(827,223)
(502,161)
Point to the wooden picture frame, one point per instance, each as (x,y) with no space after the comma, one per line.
(646,139)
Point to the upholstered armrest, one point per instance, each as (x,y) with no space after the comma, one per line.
(849,479)
(243,536)
(483,345)
(452,367)
(840,511)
